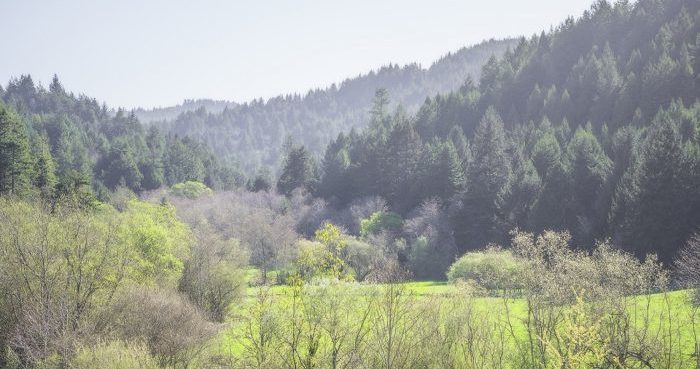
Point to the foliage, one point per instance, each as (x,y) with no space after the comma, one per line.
(380,221)
(299,171)
(15,160)
(162,241)
(74,136)
(190,189)
(58,267)
(590,127)
(334,241)
(493,269)
(253,133)
(363,259)
(313,260)
(113,355)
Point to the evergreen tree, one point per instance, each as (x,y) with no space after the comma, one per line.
(55,87)
(461,145)
(182,164)
(119,168)
(45,170)
(523,191)
(397,163)
(334,168)
(15,158)
(480,218)
(662,214)
(590,168)
(298,171)
(379,114)
(152,167)
(441,172)
(261,182)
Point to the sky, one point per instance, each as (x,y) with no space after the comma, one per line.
(149,53)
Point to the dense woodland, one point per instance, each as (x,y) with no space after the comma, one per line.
(253,134)
(573,129)
(55,141)
(551,205)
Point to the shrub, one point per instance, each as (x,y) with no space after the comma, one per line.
(214,275)
(175,331)
(380,221)
(161,241)
(493,269)
(313,260)
(362,257)
(190,189)
(114,355)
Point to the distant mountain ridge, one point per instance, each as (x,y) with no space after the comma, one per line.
(172,112)
(252,134)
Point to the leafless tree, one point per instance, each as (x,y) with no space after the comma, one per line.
(214,274)
(174,330)
(58,268)
(687,265)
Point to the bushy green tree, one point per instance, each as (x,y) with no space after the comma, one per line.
(380,221)
(492,269)
(190,189)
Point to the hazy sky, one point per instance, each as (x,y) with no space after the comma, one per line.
(155,53)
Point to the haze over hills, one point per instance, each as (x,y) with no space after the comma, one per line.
(253,133)
(540,212)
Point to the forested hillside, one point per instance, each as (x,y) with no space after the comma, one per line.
(543,214)
(592,127)
(172,112)
(253,133)
(55,142)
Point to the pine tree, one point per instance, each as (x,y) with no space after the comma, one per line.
(442,174)
(15,158)
(659,218)
(298,171)
(152,168)
(119,168)
(397,163)
(590,168)
(261,182)
(480,219)
(45,170)
(182,164)
(379,113)
(55,87)
(334,167)
(522,193)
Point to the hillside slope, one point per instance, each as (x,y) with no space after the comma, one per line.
(253,133)
(591,128)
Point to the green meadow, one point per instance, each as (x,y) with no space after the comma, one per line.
(667,317)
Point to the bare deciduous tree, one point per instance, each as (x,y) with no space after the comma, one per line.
(687,265)
(174,330)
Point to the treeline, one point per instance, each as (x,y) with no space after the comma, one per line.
(252,134)
(54,142)
(591,128)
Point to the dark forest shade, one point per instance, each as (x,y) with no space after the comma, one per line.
(592,128)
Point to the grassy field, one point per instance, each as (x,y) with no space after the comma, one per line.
(667,312)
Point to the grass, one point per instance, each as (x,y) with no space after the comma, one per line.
(670,311)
